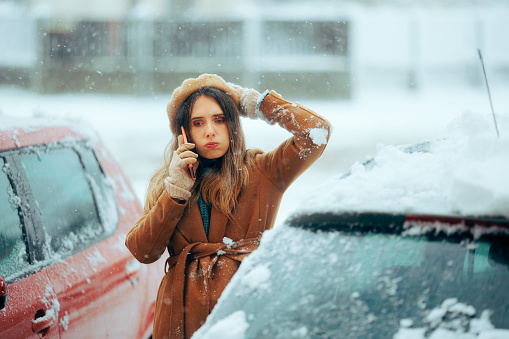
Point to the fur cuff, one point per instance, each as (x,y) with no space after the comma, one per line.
(259,103)
(175,191)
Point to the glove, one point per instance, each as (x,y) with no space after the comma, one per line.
(248,99)
(179,183)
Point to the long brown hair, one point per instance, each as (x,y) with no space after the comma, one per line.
(222,184)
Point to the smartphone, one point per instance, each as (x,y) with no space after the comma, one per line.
(190,166)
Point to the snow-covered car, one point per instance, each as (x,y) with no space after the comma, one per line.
(412,243)
(65,208)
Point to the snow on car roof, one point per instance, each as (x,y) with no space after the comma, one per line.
(465,173)
(40,121)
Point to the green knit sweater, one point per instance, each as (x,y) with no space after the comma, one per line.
(204,208)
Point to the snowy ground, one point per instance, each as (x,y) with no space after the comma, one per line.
(135,128)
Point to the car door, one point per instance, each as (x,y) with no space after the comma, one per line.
(31,307)
(90,273)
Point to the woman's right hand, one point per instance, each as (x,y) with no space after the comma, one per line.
(179,182)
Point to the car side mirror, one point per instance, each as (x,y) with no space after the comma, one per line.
(3,293)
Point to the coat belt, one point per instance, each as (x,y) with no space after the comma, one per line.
(237,251)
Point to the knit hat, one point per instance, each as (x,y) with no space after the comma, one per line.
(191,85)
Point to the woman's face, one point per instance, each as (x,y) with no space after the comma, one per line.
(208,128)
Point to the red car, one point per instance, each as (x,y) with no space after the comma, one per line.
(65,208)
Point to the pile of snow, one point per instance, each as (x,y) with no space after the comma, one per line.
(453,319)
(465,172)
(258,278)
(232,327)
(40,120)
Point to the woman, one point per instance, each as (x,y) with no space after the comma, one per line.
(209,225)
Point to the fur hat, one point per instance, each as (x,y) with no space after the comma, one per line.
(191,85)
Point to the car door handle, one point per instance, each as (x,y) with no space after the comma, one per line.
(43,321)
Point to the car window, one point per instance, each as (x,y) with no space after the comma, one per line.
(410,253)
(64,196)
(103,190)
(365,283)
(13,255)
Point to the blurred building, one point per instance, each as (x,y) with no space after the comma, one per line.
(315,48)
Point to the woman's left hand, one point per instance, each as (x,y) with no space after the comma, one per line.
(248,99)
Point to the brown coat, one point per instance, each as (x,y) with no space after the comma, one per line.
(199,268)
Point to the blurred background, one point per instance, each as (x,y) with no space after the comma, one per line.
(383,71)
(321,48)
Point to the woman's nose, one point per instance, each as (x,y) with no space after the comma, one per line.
(210,130)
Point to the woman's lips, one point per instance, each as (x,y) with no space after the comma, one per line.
(212,144)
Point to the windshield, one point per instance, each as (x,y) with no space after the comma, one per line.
(337,284)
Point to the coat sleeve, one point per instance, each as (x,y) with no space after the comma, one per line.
(151,234)
(310,131)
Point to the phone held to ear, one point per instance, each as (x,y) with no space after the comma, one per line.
(190,166)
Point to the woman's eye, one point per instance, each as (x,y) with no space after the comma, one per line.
(220,120)
(197,123)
